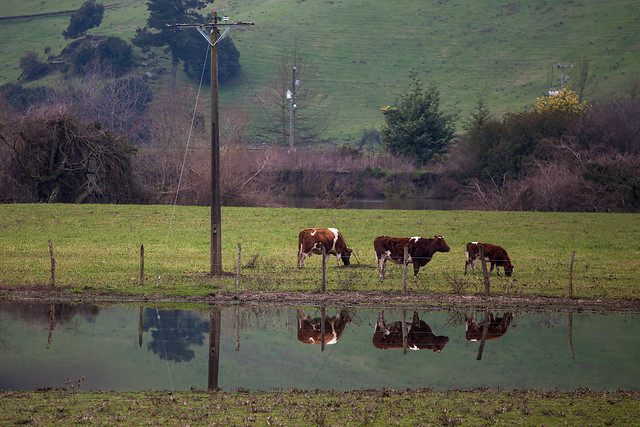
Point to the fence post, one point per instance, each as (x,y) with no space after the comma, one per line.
(573,254)
(405,262)
(239,266)
(485,274)
(53,264)
(141,265)
(324,268)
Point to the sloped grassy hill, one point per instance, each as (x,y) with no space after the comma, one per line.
(357,54)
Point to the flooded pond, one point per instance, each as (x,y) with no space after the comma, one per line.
(260,348)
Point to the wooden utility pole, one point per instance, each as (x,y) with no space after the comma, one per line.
(216,221)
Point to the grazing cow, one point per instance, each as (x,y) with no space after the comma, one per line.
(310,330)
(497,327)
(311,240)
(419,335)
(492,253)
(420,250)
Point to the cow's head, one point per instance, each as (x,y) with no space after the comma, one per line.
(345,255)
(508,270)
(441,245)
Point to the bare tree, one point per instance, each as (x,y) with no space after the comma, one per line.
(310,119)
(121,105)
(583,83)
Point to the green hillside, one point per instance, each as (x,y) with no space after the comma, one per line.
(358,54)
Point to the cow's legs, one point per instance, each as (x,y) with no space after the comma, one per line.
(301,257)
(416,267)
(382,262)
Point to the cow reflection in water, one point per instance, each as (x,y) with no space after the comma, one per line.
(310,330)
(419,335)
(497,326)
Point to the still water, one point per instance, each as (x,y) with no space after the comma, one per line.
(393,204)
(261,348)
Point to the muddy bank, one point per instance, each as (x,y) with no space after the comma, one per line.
(381,300)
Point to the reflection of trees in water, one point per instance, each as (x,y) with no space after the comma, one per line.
(38,315)
(42,315)
(173,332)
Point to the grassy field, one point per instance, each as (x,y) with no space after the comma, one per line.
(318,408)
(357,55)
(97,247)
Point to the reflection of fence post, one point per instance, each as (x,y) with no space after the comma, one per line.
(237,320)
(239,266)
(573,254)
(405,262)
(484,270)
(324,268)
(404,328)
(51,322)
(485,330)
(323,312)
(140,327)
(53,264)
(141,265)
(571,334)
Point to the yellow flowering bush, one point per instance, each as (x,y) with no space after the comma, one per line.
(566,100)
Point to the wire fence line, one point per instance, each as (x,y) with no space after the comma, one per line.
(279,272)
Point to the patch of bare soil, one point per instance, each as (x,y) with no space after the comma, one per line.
(386,300)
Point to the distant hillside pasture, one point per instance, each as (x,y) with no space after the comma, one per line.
(359,54)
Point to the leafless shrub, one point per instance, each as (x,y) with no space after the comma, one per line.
(55,158)
(121,105)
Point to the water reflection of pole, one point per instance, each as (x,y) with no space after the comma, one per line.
(323,312)
(140,324)
(405,332)
(485,329)
(571,334)
(51,321)
(237,316)
(214,348)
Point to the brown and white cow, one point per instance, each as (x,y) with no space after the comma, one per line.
(497,326)
(420,249)
(492,253)
(310,329)
(311,240)
(419,335)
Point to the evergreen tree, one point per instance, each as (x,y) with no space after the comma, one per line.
(417,128)
(186,44)
(88,16)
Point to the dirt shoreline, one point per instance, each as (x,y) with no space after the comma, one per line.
(380,300)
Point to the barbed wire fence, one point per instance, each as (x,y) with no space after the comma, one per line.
(255,272)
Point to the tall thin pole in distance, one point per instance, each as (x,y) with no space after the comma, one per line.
(216,221)
(292,118)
